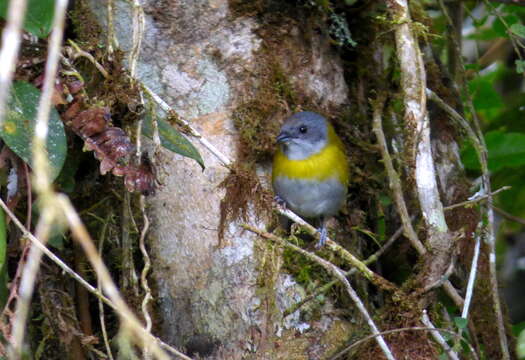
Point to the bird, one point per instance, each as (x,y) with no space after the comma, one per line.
(310,172)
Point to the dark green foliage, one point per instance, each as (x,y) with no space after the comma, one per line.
(39,16)
(19,126)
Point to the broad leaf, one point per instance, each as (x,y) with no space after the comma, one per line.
(172,139)
(460,322)
(485,97)
(505,150)
(19,124)
(518,29)
(38,18)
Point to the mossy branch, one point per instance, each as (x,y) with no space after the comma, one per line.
(336,272)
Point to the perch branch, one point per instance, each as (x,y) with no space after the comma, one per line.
(285,212)
(322,289)
(360,266)
(336,272)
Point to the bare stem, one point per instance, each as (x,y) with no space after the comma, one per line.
(27,285)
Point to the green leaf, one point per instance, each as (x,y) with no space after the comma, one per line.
(518,29)
(520,348)
(38,18)
(505,150)
(19,125)
(520,66)
(485,96)
(474,66)
(500,28)
(172,139)
(460,322)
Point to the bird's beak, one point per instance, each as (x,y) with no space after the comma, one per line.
(283,137)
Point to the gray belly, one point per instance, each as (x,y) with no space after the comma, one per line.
(311,199)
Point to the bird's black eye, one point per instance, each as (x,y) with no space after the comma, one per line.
(303,129)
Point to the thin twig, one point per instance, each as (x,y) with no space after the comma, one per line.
(455,116)
(374,257)
(130,321)
(138,31)
(29,191)
(99,286)
(144,274)
(437,336)
(27,285)
(331,245)
(42,181)
(509,216)
(11,39)
(476,199)
(111,39)
(76,52)
(393,331)
(417,142)
(36,242)
(481,150)
(339,274)
(211,148)
(74,275)
(471,278)
(322,289)
(394,180)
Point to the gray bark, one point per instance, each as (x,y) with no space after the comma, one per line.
(203,61)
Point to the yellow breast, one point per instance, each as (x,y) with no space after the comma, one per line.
(328,163)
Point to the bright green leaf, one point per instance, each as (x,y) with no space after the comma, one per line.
(520,66)
(484,95)
(19,124)
(172,139)
(505,150)
(518,29)
(460,322)
(520,348)
(39,16)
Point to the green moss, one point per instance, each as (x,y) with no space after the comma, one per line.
(87,29)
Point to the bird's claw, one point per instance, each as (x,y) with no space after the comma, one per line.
(323,235)
(280,201)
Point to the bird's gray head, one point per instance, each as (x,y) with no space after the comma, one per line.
(303,134)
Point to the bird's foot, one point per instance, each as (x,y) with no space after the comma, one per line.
(280,201)
(323,235)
